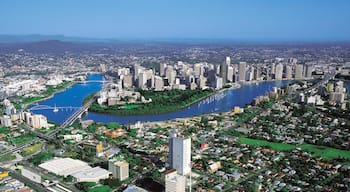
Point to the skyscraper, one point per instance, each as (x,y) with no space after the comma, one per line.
(279,71)
(174,182)
(223,70)
(289,72)
(308,71)
(241,71)
(179,153)
(298,71)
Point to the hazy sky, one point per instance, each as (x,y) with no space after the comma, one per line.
(262,20)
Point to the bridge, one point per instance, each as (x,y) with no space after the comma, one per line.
(47,107)
(94,81)
(51,136)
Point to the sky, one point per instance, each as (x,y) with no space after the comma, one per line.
(241,20)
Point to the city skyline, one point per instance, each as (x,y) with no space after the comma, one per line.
(156,20)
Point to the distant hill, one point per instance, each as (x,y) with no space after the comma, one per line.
(50,46)
(35,38)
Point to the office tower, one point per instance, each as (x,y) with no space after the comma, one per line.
(223,70)
(179,153)
(242,71)
(298,71)
(230,74)
(279,72)
(289,72)
(119,169)
(308,71)
(170,73)
(158,83)
(174,182)
(273,69)
(257,73)
(202,82)
(197,69)
(103,68)
(218,83)
(142,79)
(127,81)
(162,68)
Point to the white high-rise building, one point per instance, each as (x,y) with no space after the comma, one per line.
(180,153)
(119,169)
(162,69)
(289,73)
(174,182)
(242,71)
(158,83)
(279,71)
(230,73)
(298,71)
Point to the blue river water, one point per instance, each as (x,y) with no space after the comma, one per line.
(221,102)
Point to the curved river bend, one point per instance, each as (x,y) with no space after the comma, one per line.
(221,102)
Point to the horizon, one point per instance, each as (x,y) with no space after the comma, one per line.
(242,21)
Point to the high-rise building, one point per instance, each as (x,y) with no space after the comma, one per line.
(257,73)
(289,72)
(174,182)
(162,67)
(298,71)
(230,74)
(223,69)
(103,68)
(127,81)
(279,71)
(119,169)
(308,71)
(158,83)
(37,121)
(242,71)
(170,73)
(179,153)
(6,121)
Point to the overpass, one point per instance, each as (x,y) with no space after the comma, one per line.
(51,136)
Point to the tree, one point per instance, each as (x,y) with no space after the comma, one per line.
(113,125)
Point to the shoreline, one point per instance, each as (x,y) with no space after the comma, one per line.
(233,86)
(52,95)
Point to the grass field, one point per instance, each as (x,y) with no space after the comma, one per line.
(32,149)
(7,157)
(131,106)
(326,153)
(22,139)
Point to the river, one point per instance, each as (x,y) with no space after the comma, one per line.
(221,102)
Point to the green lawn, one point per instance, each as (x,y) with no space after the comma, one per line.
(32,149)
(131,106)
(8,157)
(21,139)
(327,153)
(100,189)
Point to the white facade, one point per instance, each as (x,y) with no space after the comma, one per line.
(174,182)
(181,154)
(279,72)
(119,169)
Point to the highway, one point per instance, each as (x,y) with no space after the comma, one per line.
(51,136)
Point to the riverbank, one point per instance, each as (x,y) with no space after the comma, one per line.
(162,102)
(51,93)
